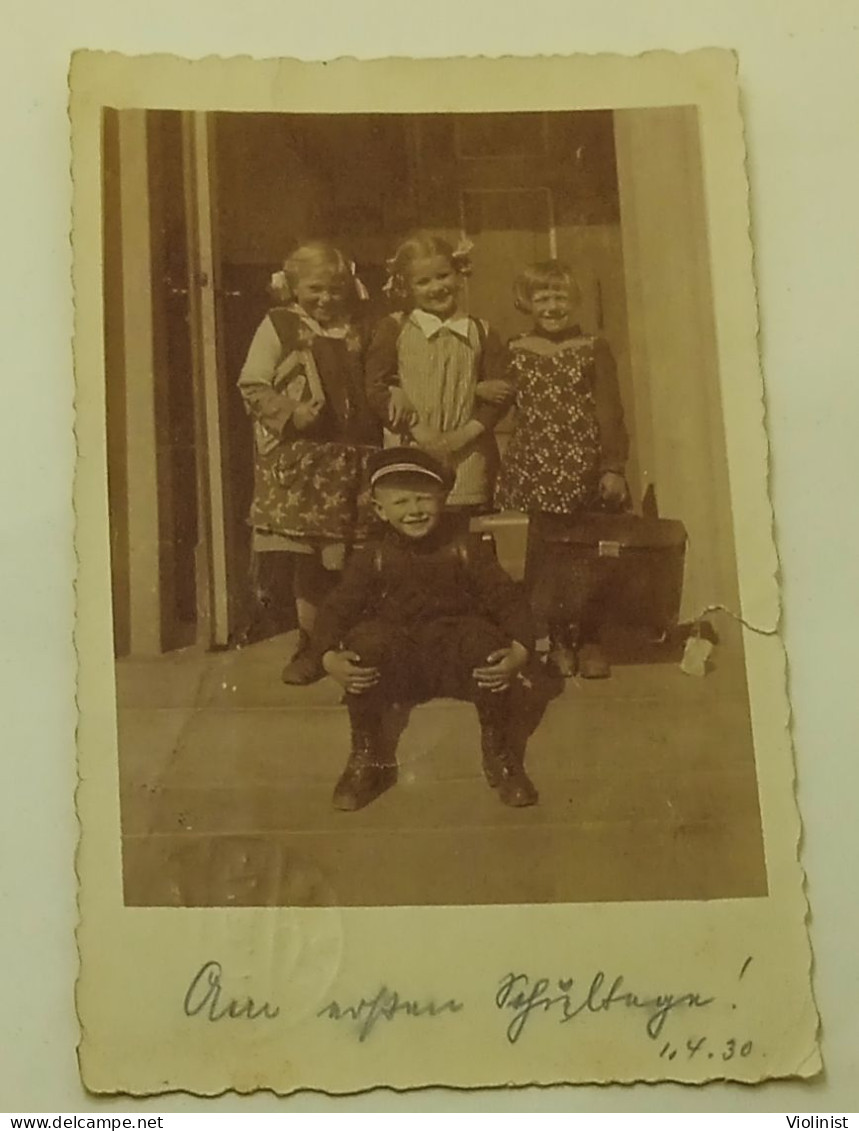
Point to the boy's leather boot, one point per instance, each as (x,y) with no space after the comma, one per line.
(501,768)
(367,774)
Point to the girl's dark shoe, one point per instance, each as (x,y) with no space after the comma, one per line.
(366,776)
(593,663)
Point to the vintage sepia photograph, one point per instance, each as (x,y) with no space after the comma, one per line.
(433,714)
(422,555)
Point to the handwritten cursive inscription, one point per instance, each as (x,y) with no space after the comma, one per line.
(203,998)
(524,995)
(385,1006)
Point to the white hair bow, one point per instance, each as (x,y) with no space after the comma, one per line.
(360,289)
(462,255)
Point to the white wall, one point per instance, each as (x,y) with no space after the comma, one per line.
(673,356)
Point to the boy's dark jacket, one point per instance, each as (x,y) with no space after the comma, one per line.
(407,582)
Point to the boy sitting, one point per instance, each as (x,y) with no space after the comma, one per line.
(424,613)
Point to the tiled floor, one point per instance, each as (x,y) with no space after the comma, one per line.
(647,791)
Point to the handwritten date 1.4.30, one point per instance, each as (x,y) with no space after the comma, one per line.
(705,1049)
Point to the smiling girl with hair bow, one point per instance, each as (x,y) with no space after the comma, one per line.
(434,372)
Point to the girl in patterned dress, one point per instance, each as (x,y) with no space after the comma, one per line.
(303,386)
(435,374)
(567,453)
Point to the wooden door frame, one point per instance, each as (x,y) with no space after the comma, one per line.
(215,607)
(139,427)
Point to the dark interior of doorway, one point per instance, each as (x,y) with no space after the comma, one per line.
(363,181)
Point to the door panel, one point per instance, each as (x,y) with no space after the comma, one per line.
(171,275)
(509,227)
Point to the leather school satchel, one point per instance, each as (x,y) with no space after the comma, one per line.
(637,562)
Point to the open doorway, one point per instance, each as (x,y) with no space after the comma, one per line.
(227,197)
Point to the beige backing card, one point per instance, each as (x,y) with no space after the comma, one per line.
(610,990)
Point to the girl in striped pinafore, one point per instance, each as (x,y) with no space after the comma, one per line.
(435,374)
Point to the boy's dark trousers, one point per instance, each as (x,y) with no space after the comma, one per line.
(429,660)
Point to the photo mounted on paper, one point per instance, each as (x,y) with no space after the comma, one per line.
(428,563)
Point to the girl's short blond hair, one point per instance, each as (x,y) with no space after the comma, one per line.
(538,276)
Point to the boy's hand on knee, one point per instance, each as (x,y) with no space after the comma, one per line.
(345,667)
(501,666)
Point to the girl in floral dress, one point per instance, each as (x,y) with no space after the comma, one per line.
(303,386)
(567,453)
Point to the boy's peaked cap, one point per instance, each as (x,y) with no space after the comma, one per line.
(408,461)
